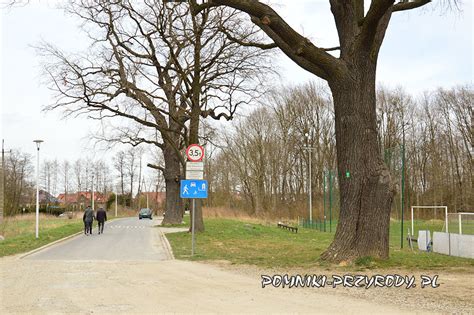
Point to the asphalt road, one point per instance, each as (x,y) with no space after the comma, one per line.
(128,239)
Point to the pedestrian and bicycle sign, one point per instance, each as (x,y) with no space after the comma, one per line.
(196,189)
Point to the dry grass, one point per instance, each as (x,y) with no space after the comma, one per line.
(122,213)
(241,215)
(13,226)
(19,231)
(19,224)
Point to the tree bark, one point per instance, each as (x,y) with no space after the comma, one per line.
(172,174)
(196,86)
(365,184)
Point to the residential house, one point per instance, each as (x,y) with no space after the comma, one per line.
(83,199)
(46,198)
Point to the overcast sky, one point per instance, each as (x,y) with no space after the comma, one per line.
(423,50)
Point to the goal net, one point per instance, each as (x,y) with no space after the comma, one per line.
(432,218)
(461,222)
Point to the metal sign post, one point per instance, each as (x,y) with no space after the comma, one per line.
(192,228)
(194,186)
(193,189)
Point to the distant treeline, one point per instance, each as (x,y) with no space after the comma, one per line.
(263,164)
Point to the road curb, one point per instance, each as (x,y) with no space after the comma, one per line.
(166,245)
(53,243)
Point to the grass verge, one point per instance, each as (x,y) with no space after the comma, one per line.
(19,232)
(268,246)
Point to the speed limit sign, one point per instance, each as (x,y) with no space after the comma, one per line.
(195,153)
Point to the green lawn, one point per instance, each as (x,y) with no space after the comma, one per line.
(19,232)
(269,246)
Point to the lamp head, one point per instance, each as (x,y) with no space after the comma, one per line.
(38,143)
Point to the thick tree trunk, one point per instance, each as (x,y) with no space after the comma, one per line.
(196,111)
(365,183)
(199,222)
(174,205)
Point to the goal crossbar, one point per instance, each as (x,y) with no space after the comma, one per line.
(429,207)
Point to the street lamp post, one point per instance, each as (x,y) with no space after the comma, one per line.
(307,147)
(38,143)
(3,181)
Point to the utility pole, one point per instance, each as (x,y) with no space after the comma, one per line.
(92,191)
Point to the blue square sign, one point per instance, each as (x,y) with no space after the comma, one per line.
(193,188)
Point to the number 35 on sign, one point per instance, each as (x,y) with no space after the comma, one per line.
(195,153)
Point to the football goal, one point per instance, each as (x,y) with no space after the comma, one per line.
(462,222)
(430,213)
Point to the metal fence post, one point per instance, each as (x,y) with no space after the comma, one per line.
(330,202)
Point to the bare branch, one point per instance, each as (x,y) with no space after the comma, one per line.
(408,5)
(247,44)
(332,48)
(157,167)
(300,49)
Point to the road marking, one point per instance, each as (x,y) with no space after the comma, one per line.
(127,226)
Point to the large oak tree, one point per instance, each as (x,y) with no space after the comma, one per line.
(156,70)
(367,194)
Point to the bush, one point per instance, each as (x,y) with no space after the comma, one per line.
(122,200)
(55,210)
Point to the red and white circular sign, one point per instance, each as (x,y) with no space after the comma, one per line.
(195,153)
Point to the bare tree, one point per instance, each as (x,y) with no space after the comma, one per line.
(18,186)
(366,196)
(47,175)
(264,163)
(162,68)
(119,164)
(66,166)
(131,168)
(78,174)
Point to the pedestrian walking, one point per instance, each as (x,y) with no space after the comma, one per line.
(101,217)
(88,218)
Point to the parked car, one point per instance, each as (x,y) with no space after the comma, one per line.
(145,213)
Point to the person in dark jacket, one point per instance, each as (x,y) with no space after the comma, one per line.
(101,217)
(88,218)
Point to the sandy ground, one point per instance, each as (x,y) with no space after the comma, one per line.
(86,287)
(171,286)
(454,295)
